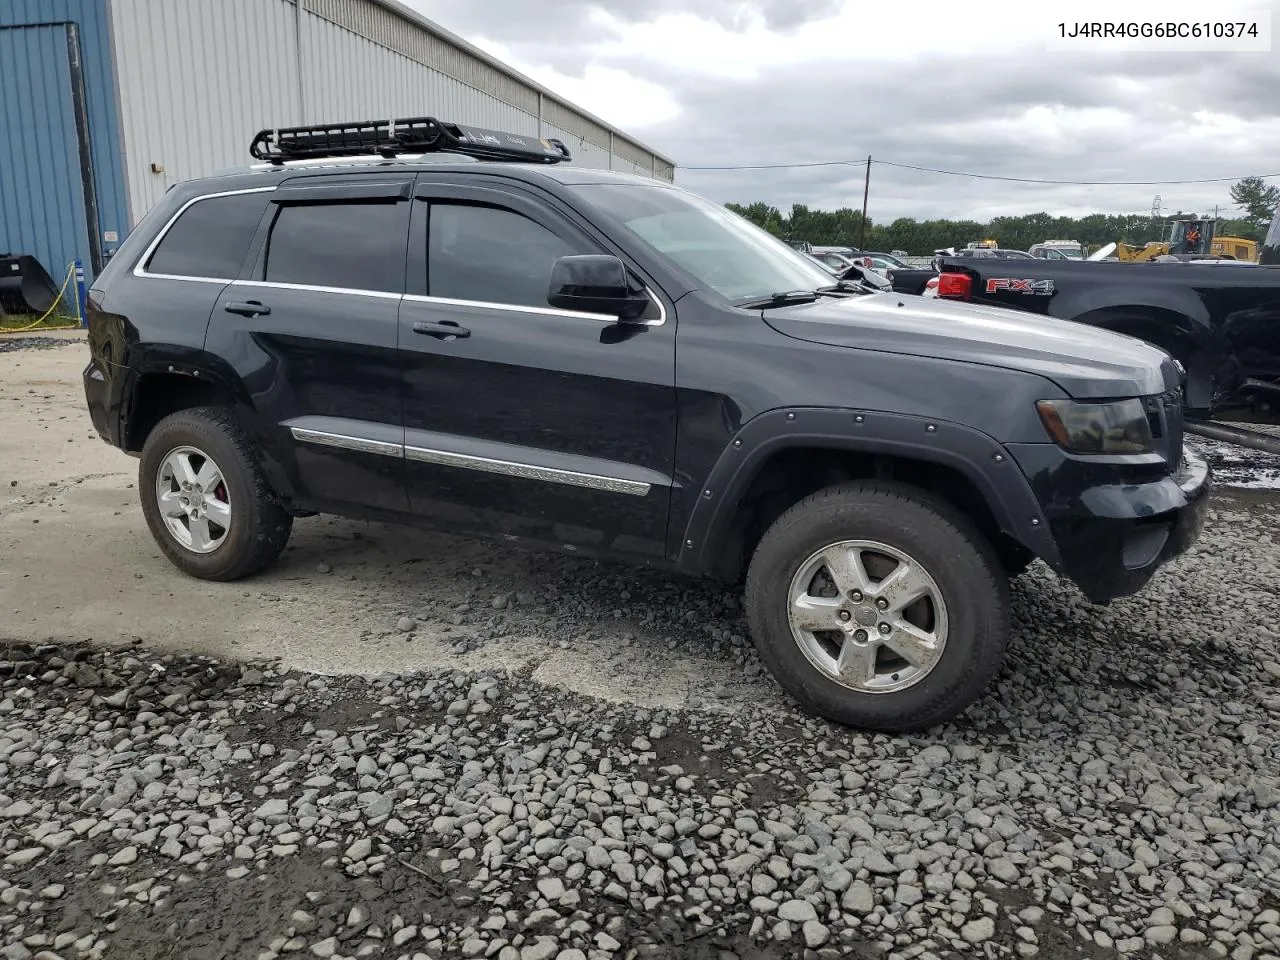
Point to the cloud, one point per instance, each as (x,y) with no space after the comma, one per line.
(512,20)
(929,84)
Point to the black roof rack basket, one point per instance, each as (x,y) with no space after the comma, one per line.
(409,135)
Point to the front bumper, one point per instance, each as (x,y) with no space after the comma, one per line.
(1112,537)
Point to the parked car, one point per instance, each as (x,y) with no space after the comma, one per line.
(880,262)
(1058,249)
(607,365)
(1221,324)
(837,262)
(996,253)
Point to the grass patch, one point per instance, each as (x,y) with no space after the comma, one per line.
(10,323)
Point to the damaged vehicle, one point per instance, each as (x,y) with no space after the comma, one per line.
(457,328)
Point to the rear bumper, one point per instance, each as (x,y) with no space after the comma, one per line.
(96,395)
(1113,537)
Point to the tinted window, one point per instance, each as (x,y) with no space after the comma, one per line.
(211,238)
(489,254)
(358,245)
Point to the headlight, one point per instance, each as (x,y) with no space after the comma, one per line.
(1117,427)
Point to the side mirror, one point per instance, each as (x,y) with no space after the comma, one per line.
(596,283)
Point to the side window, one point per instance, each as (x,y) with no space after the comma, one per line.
(210,239)
(491,255)
(359,245)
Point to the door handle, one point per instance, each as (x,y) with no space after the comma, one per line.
(247,308)
(443,329)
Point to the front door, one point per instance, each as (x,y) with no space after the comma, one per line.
(311,329)
(520,418)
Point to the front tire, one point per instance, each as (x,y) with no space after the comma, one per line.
(878,606)
(206,501)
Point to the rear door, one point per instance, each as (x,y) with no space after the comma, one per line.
(521,418)
(311,330)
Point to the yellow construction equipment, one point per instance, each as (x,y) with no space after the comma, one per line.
(1236,247)
(1128,252)
(1192,236)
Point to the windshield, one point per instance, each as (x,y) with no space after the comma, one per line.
(723,251)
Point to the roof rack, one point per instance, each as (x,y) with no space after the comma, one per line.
(408,135)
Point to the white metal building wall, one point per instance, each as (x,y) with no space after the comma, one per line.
(197,78)
(346,76)
(196,81)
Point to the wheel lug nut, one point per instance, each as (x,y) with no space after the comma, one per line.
(885,628)
(845,615)
(860,636)
(882,603)
(855,596)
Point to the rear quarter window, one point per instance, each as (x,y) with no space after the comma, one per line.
(210,238)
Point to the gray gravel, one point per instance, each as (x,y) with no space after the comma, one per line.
(1114,794)
(12,343)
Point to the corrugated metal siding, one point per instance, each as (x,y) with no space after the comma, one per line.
(584,152)
(199,77)
(383,27)
(90,17)
(42,211)
(350,77)
(197,80)
(568,120)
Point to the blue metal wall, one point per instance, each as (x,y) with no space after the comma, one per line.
(41,199)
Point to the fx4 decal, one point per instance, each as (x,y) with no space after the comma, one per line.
(1043,288)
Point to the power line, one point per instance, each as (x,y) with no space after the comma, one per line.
(1074,183)
(981,176)
(788,166)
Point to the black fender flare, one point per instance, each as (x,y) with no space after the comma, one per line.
(981,459)
(178,360)
(198,364)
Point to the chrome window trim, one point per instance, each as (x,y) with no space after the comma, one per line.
(527,471)
(543,311)
(140,269)
(514,307)
(316,288)
(343,442)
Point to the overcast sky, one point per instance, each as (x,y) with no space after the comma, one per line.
(969,86)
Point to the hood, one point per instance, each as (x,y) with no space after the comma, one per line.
(1086,362)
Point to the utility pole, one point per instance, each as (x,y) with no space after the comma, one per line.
(866,190)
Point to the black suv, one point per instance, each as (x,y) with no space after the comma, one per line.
(611,366)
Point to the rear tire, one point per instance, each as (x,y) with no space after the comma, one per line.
(206,501)
(819,625)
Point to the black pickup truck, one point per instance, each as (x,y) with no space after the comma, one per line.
(1220,320)
(456,329)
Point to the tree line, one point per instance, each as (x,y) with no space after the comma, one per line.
(1256,200)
